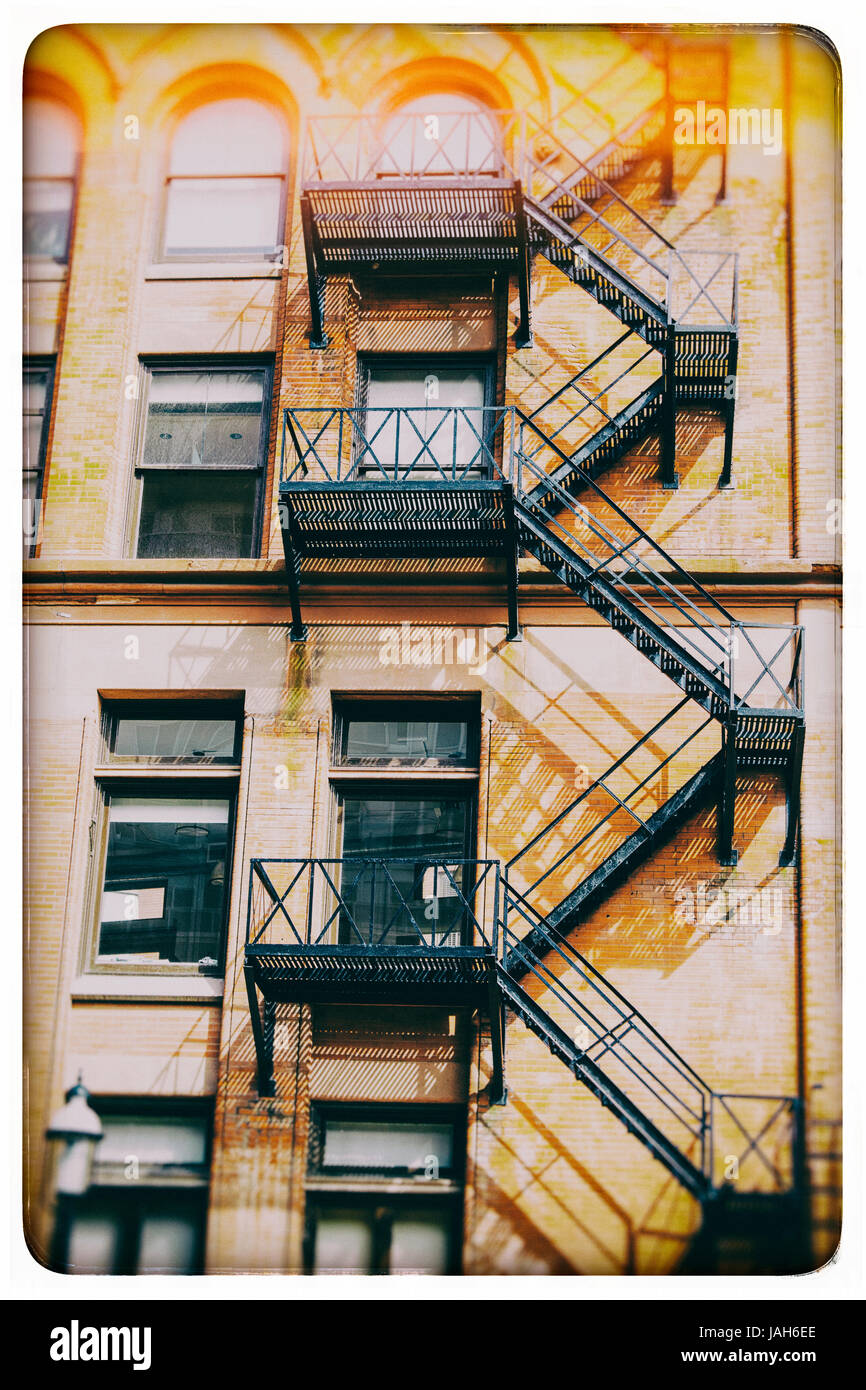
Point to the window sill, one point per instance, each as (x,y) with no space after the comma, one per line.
(147,989)
(442,1187)
(45,270)
(213,270)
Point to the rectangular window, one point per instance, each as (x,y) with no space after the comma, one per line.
(38,384)
(404,843)
(166,840)
(163,733)
(164,886)
(48,217)
(406,733)
(146,1208)
(427,417)
(384,1189)
(222,216)
(202,462)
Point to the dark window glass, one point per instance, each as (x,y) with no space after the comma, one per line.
(174,739)
(165,885)
(202,463)
(51,140)
(404,740)
(37,398)
(415,896)
(182,517)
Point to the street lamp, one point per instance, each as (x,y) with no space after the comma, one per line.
(79,1128)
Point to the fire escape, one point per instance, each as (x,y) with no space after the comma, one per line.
(495,482)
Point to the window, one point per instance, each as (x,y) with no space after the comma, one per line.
(384,1189)
(420,832)
(166,840)
(440,134)
(406,733)
(202,462)
(37,389)
(52,138)
(146,1208)
(225,192)
(443,427)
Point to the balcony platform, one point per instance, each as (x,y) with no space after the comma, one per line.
(386,951)
(403,519)
(412,226)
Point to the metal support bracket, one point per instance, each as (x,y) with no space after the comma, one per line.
(263,1035)
(730,407)
(497,1090)
(512,565)
(523,336)
(728,795)
(315,280)
(670,481)
(792,797)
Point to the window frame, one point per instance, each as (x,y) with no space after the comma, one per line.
(149,708)
(35,258)
(164,257)
(485,363)
(381,1197)
(119,776)
(345,708)
(38,362)
(130,1199)
(201,364)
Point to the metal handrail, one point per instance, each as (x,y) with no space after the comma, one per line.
(369,443)
(329,893)
(620,802)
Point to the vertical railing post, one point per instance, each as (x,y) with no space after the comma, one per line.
(730,404)
(669,477)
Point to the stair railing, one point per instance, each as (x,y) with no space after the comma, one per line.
(575,430)
(610,1032)
(706,637)
(654,784)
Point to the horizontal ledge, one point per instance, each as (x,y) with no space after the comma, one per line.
(214,270)
(148,989)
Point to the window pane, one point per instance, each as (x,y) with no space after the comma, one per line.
(204,419)
(52,137)
(199,514)
(344,1242)
(47,212)
(170,1238)
(406,903)
(431,436)
(208,739)
(164,1139)
(223,216)
(237,136)
(95,1239)
(445,740)
(423,1148)
(164,890)
(419,1242)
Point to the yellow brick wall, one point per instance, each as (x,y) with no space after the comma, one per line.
(554,1183)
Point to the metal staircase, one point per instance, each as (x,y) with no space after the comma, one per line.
(348,490)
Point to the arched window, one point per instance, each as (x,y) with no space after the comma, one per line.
(226,182)
(52,139)
(441,134)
